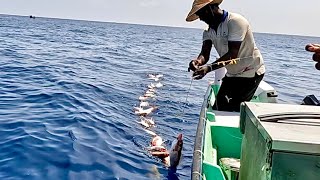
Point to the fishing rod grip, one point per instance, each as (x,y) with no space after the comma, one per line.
(215,66)
(220,64)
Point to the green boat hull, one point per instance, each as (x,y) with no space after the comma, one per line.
(275,141)
(218,136)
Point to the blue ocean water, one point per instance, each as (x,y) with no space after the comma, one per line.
(68,88)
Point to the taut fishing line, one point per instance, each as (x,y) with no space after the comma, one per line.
(186,101)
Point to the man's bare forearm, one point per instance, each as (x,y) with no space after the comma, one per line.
(204,56)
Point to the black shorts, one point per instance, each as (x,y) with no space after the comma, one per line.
(234,91)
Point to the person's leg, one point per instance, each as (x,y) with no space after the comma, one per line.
(225,94)
(251,88)
(245,91)
(235,90)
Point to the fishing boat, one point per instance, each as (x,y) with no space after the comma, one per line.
(266,140)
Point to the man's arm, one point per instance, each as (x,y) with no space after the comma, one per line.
(238,28)
(232,53)
(204,55)
(233,50)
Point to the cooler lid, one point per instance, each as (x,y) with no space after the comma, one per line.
(293,128)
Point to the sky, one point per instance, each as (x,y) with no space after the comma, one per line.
(273,16)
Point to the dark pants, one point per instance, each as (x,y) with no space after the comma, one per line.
(235,90)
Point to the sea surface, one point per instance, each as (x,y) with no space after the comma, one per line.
(68,89)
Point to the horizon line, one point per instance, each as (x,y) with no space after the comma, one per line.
(159,25)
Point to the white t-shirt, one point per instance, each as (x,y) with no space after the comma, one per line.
(236,28)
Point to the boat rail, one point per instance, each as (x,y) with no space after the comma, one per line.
(199,140)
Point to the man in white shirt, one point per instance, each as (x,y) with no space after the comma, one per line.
(231,35)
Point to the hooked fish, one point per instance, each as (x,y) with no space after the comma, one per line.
(150,132)
(176,152)
(159,84)
(149,95)
(150,121)
(155,77)
(143,98)
(156,141)
(144,123)
(158,150)
(144,112)
(144,104)
(170,158)
(150,91)
(151,86)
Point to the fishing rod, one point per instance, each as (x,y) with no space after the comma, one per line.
(217,65)
(220,64)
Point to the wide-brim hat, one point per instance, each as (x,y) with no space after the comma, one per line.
(197,5)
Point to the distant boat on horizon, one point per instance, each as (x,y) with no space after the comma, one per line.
(32,17)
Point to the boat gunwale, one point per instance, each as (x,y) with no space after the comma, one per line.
(199,140)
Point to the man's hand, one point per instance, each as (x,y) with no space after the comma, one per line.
(313,48)
(316,56)
(201,72)
(194,64)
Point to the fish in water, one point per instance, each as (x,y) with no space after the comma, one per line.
(150,132)
(157,149)
(150,121)
(137,108)
(149,95)
(158,85)
(144,104)
(155,77)
(170,158)
(152,90)
(144,123)
(151,86)
(143,98)
(144,112)
(176,152)
(156,141)
(149,91)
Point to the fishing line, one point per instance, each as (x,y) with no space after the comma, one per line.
(177,115)
(187,95)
